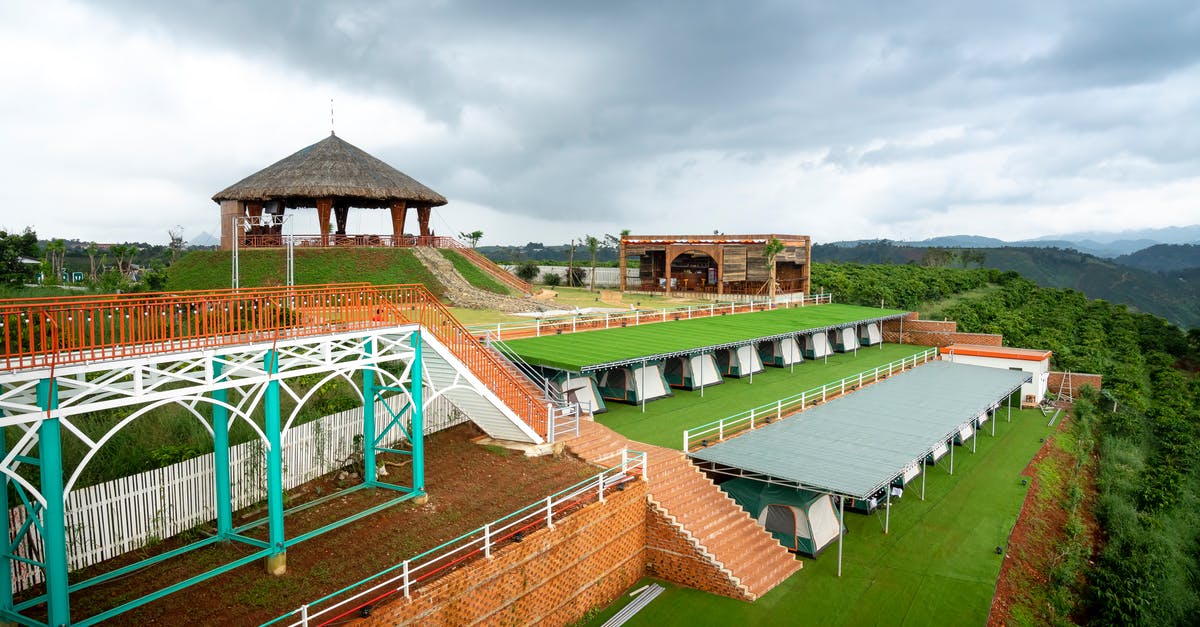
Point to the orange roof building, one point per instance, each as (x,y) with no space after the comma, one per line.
(1033,361)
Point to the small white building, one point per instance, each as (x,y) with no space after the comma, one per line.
(1035,362)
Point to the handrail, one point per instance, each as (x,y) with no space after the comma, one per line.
(551,392)
(725,428)
(402,578)
(96,328)
(572,323)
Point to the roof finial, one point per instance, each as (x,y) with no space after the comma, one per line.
(331,117)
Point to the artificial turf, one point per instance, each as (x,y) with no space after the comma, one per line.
(938,564)
(576,351)
(665,419)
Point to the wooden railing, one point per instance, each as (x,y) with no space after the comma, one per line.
(41,332)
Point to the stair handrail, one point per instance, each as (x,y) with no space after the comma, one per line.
(553,393)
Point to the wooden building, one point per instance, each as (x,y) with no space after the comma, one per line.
(333,176)
(717,264)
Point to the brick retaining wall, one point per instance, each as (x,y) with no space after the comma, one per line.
(671,556)
(553,576)
(936,333)
(1078,380)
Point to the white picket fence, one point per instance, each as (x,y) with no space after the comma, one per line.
(122,515)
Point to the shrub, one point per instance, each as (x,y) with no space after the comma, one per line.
(527,271)
(551,279)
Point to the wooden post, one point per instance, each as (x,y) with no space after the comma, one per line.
(622,266)
(720,258)
(324,206)
(230,209)
(423,220)
(399,213)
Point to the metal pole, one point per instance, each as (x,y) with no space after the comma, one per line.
(952,455)
(887,515)
(236,236)
(1010,408)
(642,391)
(841,529)
(6,591)
(370,469)
(221,456)
(974,435)
(416,392)
(923,477)
(54,525)
(277,559)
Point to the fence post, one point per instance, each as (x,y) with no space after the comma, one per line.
(406,582)
(802,399)
(600,487)
(550,512)
(752,418)
(537,327)
(304,615)
(779,409)
(721,428)
(487,540)
(550,423)
(823,389)
(685,440)
(606,320)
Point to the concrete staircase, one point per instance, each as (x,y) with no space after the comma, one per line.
(729,539)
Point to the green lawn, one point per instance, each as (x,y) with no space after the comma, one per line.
(473,273)
(664,420)
(938,565)
(212,269)
(578,350)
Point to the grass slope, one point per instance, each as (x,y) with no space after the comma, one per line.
(212,269)
(664,420)
(578,350)
(938,564)
(472,273)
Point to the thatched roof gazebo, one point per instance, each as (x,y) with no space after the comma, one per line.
(331,175)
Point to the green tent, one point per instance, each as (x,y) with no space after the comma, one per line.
(634,383)
(580,388)
(803,521)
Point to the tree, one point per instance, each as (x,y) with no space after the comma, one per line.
(593,245)
(14,248)
(571,265)
(92,252)
(56,250)
(770,250)
(473,237)
(528,271)
(177,244)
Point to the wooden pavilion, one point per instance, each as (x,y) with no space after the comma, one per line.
(717,264)
(331,175)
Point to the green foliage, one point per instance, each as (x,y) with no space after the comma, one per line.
(472,273)
(551,279)
(528,271)
(13,247)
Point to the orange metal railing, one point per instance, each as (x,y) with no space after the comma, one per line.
(41,332)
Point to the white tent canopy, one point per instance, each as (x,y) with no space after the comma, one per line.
(816,345)
(634,383)
(582,389)
(780,352)
(845,340)
(868,334)
(738,361)
(692,372)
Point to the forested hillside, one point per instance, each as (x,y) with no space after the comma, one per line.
(1148,507)
(1163,258)
(1174,295)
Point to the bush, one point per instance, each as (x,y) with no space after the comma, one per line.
(551,279)
(528,271)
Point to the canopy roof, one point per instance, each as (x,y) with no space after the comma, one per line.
(331,168)
(859,443)
(998,352)
(597,350)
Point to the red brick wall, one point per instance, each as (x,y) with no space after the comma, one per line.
(670,556)
(1078,380)
(553,576)
(936,333)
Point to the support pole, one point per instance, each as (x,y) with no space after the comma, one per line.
(974,435)
(923,477)
(417,424)
(642,391)
(54,519)
(993,424)
(277,559)
(887,514)
(1010,408)
(220,426)
(952,455)
(841,529)
(6,591)
(370,467)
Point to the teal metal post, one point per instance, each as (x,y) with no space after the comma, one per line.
(417,425)
(54,517)
(6,591)
(370,468)
(277,560)
(220,418)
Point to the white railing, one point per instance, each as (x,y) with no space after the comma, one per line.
(112,518)
(563,422)
(401,579)
(738,423)
(581,322)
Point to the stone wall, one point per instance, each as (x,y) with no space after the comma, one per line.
(552,577)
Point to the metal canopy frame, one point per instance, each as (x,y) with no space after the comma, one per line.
(750,341)
(43,403)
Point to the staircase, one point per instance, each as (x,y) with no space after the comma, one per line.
(726,536)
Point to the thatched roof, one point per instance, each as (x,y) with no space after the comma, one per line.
(331,168)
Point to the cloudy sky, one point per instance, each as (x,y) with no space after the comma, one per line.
(549,120)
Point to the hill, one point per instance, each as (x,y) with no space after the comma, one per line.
(1101,244)
(213,269)
(1163,258)
(1174,296)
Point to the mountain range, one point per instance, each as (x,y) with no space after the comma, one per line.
(1100,244)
